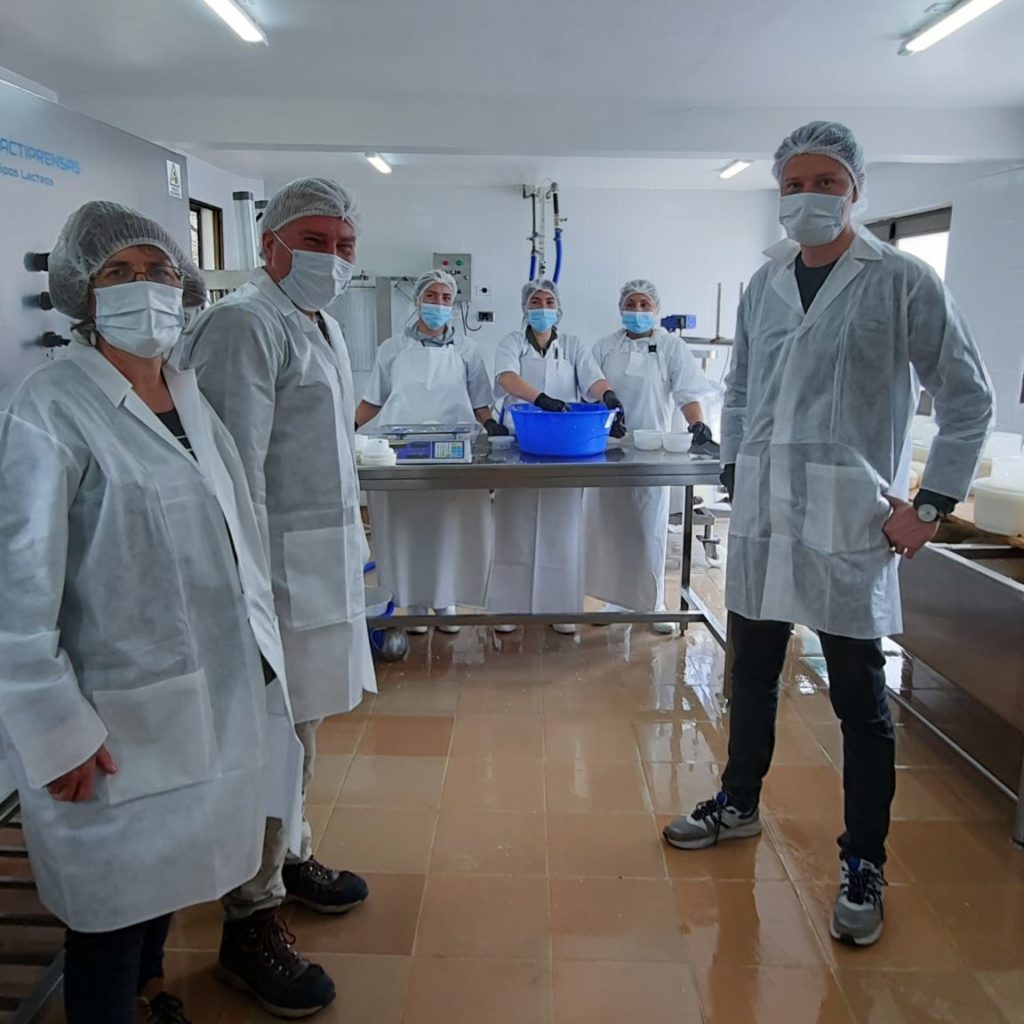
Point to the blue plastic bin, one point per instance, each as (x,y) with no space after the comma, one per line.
(576,434)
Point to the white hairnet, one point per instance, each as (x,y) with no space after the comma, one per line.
(640,286)
(541,285)
(94,233)
(424,281)
(825,138)
(310,197)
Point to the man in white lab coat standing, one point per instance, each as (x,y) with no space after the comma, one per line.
(276,369)
(834,338)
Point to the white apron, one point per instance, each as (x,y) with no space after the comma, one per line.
(433,548)
(627,527)
(538,552)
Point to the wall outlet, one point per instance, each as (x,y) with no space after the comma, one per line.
(485,317)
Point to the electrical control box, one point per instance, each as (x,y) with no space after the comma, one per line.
(460,266)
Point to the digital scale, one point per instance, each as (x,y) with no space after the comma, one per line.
(431,442)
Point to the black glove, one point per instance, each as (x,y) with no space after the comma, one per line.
(495,429)
(613,401)
(701,433)
(549,404)
(728,478)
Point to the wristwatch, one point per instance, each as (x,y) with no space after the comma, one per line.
(931,506)
(928,513)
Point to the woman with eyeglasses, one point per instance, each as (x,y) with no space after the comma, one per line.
(138,629)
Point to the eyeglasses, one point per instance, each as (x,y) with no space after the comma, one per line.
(121,273)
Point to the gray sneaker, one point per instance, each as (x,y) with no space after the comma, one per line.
(711,822)
(858,912)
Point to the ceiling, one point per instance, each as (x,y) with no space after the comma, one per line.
(675,88)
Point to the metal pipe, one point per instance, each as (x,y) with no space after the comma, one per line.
(248,240)
(718,313)
(972,761)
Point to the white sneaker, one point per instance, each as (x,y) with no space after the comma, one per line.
(858,914)
(665,628)
(417,609)
(451,630)
(505,628)
(565,628)
(711,822)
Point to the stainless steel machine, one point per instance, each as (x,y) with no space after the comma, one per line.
(51,161)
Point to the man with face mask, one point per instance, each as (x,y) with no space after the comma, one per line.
(834,338)
(276,369)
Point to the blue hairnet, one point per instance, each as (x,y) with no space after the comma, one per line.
(94,233)
(424,281)
(825,138)
(640,286)
(310,197)
(541,285)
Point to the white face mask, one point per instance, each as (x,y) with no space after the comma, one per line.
(142,318)
(316,278)
(813,218)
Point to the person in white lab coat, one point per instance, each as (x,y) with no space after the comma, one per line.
(655,373)
(539,556)
(833,336)
(433,548)
(137,608)
(276,369)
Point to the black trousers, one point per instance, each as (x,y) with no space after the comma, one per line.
(856,673)
(104,972)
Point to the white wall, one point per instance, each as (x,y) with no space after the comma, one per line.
(685,241)
(986,274)
(985,268)
(214,186)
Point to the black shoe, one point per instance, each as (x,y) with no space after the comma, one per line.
(165,1009)
(257,955)
(322,888)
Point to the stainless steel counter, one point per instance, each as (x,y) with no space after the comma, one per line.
(511,469)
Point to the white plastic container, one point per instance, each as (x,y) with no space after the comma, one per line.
(923,430)
(677,443)
(999,509)
(376,447)
(1001,445)
(647,440)
(1009,472)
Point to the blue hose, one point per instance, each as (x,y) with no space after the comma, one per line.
(533,266)
(558,255)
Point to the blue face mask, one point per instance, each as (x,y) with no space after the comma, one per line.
(638,323)
(542,320)
(435,317)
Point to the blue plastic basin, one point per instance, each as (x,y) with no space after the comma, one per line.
(581,432)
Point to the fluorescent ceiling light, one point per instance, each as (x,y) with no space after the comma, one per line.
(378,163)
(963,14)
(736,167)
(238,20)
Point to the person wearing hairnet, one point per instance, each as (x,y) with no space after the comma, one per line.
(433,549)
(539,558)
(656,374)
(833,336)
(132,698)
(275,367)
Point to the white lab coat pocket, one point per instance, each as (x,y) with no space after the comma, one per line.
(845,509)
(746,499)
(161,737)
(319,575)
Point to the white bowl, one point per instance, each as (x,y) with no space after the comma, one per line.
(676,442)
(647,440)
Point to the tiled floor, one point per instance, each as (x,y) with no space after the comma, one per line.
(504,796)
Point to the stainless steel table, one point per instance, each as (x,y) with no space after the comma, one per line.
(509,469)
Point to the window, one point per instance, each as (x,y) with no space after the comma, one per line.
(207,228)
(925,235)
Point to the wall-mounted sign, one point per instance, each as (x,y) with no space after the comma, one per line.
(174,188)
